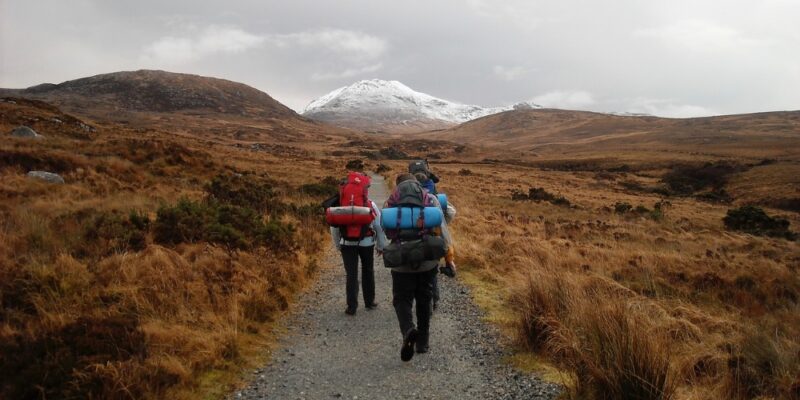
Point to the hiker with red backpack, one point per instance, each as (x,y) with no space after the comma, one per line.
(356,232)
(410,218)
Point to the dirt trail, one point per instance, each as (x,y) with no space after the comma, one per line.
(326,354)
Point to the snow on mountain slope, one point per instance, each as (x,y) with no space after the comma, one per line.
(381,105)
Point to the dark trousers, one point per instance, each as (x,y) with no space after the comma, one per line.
(406,288)
(350,256)
(435,284)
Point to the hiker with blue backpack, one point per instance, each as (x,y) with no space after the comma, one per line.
(410,219)
(422,172)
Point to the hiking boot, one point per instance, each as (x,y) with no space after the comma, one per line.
(409,340)
(422,343)
(372,306)
(350,311)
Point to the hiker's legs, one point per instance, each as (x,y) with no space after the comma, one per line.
(403,284)
(423,293)
(350,260)
(367,273)
(435,285)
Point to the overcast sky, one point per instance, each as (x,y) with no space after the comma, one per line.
(670,58)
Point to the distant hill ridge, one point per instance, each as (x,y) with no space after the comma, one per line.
(158,91)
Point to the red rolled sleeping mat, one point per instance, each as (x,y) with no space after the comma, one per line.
(349,215)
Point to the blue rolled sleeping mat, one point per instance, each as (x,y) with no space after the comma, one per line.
(443,201)
(409,217)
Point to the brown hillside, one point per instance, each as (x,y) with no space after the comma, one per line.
(547,132)
(183,104)
(159,91)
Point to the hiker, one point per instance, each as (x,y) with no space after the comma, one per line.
(356,232)
(413,255)
(422,167)
(449,267)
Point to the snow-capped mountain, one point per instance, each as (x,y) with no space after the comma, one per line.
(390,106)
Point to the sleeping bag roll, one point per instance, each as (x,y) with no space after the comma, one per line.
(443,201)
(408,217)
(349,215)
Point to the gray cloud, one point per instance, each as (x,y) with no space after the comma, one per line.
(679,58)
(211,41)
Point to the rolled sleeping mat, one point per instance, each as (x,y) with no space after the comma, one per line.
(409,217)
(349,215)
(443,201)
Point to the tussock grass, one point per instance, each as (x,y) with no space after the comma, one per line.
(629,304)
(609,347)
(93,304)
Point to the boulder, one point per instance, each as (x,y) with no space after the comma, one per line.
(25,132)
(46,176)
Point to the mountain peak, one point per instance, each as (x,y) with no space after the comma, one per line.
(389,105)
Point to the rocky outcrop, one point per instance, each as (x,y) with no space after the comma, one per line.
(46,176)
(25,132)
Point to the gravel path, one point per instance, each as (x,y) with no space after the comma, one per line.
(326,354)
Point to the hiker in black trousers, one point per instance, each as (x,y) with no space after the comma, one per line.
(413,283)
(352,251)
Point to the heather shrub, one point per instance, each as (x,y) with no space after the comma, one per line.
(355,165)
(327,187)
(229,225)
(539,194)
(63,360)
(687,180)
(112,232)
(241,190)
(753,220)
(622,207)
(182,223)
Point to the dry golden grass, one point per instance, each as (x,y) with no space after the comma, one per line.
(627,306)
(98,316)
(621,305)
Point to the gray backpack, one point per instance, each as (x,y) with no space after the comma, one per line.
(419,166)
(411,247)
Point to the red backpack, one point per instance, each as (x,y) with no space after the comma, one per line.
(354,214)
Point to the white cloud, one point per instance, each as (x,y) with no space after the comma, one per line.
(571,100)
(350,43)
(668,108)
(700,35)
(509,73)
(173,50)
(347,73)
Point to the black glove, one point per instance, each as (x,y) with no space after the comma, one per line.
(448,270)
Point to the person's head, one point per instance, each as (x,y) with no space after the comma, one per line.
(402,178)
(422,178)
